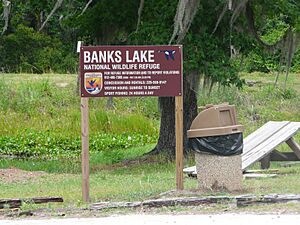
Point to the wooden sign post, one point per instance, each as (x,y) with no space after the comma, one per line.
(179,141)
(85,162)
(130,71)
(84,105)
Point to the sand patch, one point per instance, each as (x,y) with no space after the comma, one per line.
(14,175)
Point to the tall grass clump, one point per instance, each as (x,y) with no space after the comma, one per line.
(40,116)
(43,106)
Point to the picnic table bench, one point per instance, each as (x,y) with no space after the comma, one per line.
(262,143)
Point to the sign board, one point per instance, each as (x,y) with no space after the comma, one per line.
(128,71)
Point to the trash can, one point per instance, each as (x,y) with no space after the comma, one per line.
(217,140)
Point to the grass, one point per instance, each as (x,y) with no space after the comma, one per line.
(61,166)
(50,102)
(286,182)
(261,102)
(46,145)
(142,181)
(40,116)
(27,108)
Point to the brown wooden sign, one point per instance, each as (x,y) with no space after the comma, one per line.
(128,71)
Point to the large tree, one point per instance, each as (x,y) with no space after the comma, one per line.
(206,55)
(211,31)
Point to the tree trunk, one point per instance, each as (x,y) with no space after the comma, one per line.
(110,103)
(166,140)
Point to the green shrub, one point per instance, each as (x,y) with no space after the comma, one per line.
(27,50)
(296,62)
(287,93)
(47,145)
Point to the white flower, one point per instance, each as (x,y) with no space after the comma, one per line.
(129,138)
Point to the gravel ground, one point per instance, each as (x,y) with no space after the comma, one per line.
(224,219)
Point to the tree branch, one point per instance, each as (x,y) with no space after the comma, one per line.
(288,43)
(86,6)
(290,53)
(56,6)
(221,16)
(6,11)
(230,5)
(186,11)
(237,11)
(140,10)
(253,31)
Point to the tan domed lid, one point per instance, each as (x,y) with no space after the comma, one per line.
(215,120)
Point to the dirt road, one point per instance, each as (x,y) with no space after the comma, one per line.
(224,219)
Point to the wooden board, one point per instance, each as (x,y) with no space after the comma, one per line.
(258,175)
(179,141)
(283,156)
(262,171)
(262,134)
(263,141)
(17,203)
(85,149)
(294,146)
(240,201)
(266,146)
(189,170)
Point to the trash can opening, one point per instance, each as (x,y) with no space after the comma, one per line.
(225,145)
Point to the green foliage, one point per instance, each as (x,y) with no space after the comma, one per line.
(260,61)
(26,50)
(204,52)
(36,110)
(39,117)
(272,21)
(33,98)
(73,165)
(107,22)
(287,93)
(296,62)
(273,29)
(156,23)
(49,102)
(50,146)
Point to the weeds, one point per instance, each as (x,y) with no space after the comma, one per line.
(46,124)
(40,114)
(47,145)
(40,117)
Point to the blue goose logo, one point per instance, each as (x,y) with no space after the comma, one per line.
(93,82)
(169,54)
